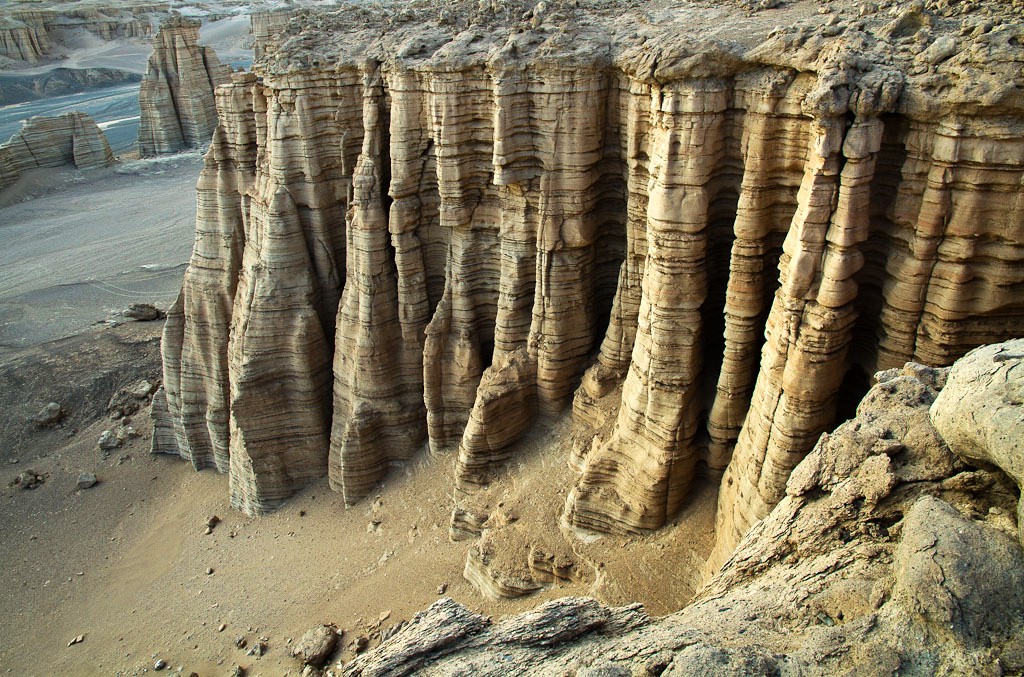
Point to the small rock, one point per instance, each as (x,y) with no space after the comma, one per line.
(160,664)
(28,479)
(238,671)
(213,521)
(222,627)
(108,440)
(240,642)
(316,646)
(359,644)
(143,312)
(208,530)
(441,589)
(51,413)
(86,480)
(209,571)
(77,640)
(141,389)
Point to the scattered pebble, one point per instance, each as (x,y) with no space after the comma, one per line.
(240,642)
(160,664)
(86,480)
(441,589)
(222,627)
(77,640)
(209,571)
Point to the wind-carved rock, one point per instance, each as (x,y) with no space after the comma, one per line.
(37,34)
(176,99)
(72,139)
(885,551)
(703,248)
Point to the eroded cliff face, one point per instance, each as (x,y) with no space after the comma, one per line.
(176,101)
(887,554)
(425,228)
(71,139)
(33,35)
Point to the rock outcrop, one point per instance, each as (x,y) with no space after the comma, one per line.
(22,41)
(887,554)
(176,101)
(37,34)
(71,139)
(980,412)
(427,228)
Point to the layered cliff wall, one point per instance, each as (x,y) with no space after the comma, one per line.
(887,554)
(70,139)
(176,100)
(33,35)
(431,227)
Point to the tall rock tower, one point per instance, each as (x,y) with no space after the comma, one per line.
(176,97)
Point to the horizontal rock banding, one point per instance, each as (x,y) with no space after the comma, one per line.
(72,139)
(514,209)
(176,100)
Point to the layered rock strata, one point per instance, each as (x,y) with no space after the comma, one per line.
(467,221)
(72,139)
(176,100)
(888,553)
(36,34)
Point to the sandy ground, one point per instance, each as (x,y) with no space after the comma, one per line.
(91,243)
(124,564)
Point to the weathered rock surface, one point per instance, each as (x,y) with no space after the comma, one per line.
(887,554)
(71,139)
(316,645)
(428,227)
(176,99)
(980,412)
(33,35)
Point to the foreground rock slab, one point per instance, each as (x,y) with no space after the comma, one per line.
(980,412)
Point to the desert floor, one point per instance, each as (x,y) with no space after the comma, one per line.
(124,564)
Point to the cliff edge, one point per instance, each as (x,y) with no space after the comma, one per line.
(697,227)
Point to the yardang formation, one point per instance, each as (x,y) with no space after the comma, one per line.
(176,97)
(417,227)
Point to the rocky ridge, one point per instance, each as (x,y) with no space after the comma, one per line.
(70,139)
(430,225)
(176,100)
(888,553)
(32,34)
